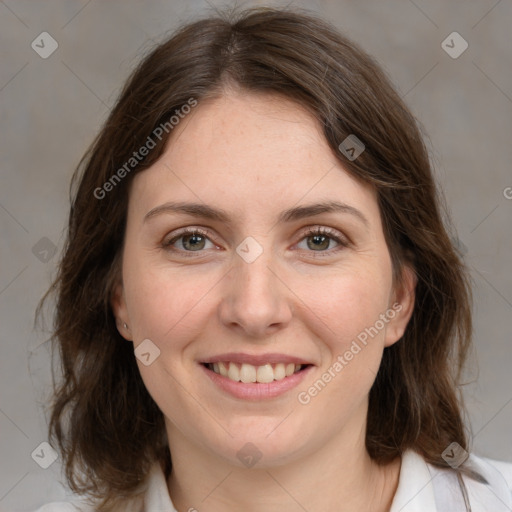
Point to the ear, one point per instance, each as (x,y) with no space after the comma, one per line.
(402,304)
(118,305)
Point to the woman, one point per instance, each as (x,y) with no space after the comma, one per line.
(259,307)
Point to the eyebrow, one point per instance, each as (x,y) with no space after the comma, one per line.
(290,215)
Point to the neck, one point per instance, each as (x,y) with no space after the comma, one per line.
(337,477)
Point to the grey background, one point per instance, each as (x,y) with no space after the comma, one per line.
(51,109)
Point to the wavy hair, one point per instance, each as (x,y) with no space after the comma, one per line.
(104,422)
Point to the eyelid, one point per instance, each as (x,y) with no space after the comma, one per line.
(188,230)
(324,230)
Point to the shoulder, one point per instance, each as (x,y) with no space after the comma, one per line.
(488,484)
(77,506)
(134,505)
(497,471)
(62,506)
(86,504)
(504,468)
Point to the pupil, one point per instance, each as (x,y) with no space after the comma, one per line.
(319,238)
(196,243)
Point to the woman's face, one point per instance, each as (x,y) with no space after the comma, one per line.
(255,292)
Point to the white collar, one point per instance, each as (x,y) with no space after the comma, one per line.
(414,493)
(157,495)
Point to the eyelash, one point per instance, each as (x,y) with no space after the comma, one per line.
(312,231)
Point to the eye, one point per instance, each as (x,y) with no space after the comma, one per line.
(319,239)
(189,240)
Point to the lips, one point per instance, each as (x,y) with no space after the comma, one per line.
(247,373)
(253,371)
(256,391)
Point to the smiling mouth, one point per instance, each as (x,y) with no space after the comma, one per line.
(247,373)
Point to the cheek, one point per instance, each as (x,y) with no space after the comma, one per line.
(348,303)
(170,309)
(162,303)
(352,341)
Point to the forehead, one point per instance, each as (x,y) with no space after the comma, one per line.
(248,152)
(260,133)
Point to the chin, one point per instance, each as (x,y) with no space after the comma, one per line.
(260,443)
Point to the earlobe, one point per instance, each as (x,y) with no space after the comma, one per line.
(118,305)
(402,305)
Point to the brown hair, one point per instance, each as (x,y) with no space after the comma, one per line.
(106,425)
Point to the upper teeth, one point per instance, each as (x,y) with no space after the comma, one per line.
(249,373)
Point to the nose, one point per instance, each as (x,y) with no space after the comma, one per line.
(255,300)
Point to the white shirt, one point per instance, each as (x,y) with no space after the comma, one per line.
(421,488)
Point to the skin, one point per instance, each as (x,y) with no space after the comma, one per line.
(254,156)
